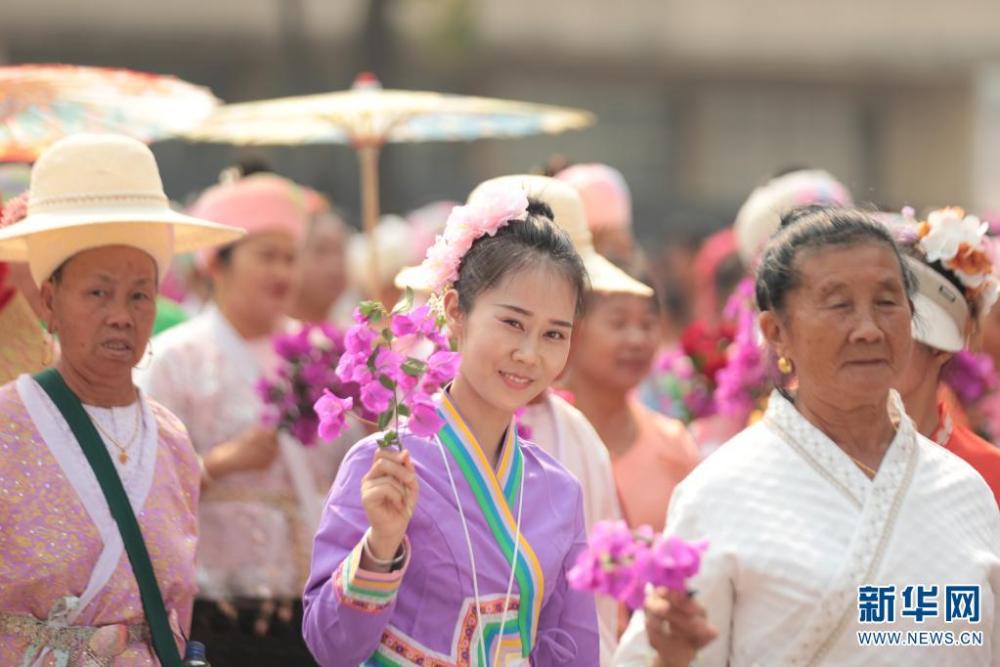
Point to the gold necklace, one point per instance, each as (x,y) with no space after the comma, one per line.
(122,450)
(868,470)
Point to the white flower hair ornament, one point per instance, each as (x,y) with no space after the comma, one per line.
(959,242)
(491,210)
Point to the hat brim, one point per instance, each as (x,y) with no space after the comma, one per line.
(606,278)
(934,326)
(189,233)
(940,312)
(416,278)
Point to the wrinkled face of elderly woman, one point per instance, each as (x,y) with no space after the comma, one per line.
(102,304)
(846,325)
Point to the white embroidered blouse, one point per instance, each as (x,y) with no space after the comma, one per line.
(255,527)
(802,542)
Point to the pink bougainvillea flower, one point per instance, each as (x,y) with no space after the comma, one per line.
(388,363)
(353,368)
(332,411)
(424,419)
(376,397)
(523,430)
(970,375)
(621,563)
(420,320)
(674,561)
(359,339)
(305,429)
(743,381)
(291,347)
(442,366)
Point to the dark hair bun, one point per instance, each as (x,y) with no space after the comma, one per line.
(536,207)
(792,216)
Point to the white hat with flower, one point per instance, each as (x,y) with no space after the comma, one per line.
(956,283)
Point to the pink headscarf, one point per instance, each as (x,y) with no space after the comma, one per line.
(605,195)
(258,203)
(316,202)
(716,249)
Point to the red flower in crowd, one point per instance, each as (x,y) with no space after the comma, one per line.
(707,346)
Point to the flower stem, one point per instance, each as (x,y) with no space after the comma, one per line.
(361,419)
(395,414)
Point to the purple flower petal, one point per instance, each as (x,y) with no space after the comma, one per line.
(424,419)
(403,324)
(620,563)
(375,397)
(442,366)
(358,340)
(331,411)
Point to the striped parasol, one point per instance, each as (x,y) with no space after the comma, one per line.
(366,117)
(40,104)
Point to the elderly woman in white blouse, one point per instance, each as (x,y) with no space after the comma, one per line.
(833,517)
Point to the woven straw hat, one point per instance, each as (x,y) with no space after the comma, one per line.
(94,190)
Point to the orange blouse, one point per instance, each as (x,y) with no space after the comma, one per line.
(647,472)
(960,440)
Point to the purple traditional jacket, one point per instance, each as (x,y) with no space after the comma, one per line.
(424,613)
(61,556)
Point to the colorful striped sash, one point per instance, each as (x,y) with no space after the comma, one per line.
(497,497)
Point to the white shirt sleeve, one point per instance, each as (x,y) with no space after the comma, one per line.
(634,649)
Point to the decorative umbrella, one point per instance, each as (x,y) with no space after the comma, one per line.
(366,117)
(14,179)
(40,104)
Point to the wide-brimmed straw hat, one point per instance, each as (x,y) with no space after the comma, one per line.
(568,213)
(94,190)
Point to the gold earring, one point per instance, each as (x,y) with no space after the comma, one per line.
(48,354)
(785,365)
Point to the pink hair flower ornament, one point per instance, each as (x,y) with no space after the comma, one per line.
(491,210)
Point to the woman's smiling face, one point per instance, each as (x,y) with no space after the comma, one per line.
(515,339)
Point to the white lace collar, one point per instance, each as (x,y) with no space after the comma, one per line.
(833,462)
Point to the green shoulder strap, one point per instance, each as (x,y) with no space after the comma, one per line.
(121,509)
